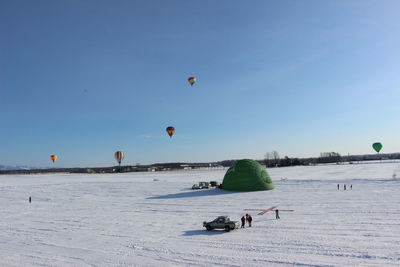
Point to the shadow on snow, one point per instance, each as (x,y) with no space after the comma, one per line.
(196,193)
(203,232)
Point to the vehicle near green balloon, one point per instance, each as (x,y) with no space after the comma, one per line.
(377,146)
(247,175)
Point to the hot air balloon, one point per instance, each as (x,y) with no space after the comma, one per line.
(377,146)
(53,157)
(119,156)
(192,80)
(170,130)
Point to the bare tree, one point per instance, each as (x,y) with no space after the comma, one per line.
(275,156)
(267,158)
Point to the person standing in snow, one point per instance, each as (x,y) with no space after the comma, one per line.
(243,221)
(249,219)
(337,186)
(277,214)
(344,187)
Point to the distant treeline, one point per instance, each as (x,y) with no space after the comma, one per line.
(117,169)
(326,157)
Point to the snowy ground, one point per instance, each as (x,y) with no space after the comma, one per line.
(134,220)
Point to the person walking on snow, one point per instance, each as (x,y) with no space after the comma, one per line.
(277,214)
(243,221)
(249,219)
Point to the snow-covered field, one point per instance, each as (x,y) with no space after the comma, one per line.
(155,219)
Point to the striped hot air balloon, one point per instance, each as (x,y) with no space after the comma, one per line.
(119,156)
(191,80)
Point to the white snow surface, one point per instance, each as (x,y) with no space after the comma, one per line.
(155,219)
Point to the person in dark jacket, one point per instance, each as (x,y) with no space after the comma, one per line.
(243,219)
(277,214)
(249,219)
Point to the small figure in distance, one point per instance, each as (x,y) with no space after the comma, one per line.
(344,187)
(277,214)
(250,219)
(351,187)
(337,186)
(243,219)
(30,199)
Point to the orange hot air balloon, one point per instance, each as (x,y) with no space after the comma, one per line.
(192,80)
(170,130)
(119,156)
(53,157)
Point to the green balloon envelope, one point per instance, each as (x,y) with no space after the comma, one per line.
(247,175)
(377,147)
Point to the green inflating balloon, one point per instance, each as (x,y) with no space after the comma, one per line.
(247,175)
(377,146)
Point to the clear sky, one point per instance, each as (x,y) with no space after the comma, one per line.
(83,79)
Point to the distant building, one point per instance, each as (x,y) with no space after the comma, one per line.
(186,167)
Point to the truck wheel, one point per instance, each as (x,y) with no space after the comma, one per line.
(208,228)
(227,228)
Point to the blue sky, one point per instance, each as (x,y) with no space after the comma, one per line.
(83,79)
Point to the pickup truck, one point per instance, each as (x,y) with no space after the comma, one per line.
(221,222)
(214,183)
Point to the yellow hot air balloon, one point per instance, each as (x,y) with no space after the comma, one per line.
(53,157)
